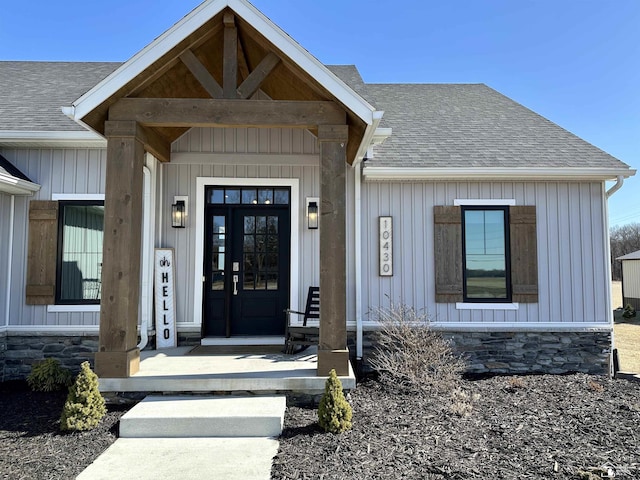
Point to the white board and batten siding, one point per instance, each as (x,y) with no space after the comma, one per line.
(58,171)
(247,153)
(572,255)
(572,260)
(244,153)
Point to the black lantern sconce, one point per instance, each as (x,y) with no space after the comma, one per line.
(179,213)
(312,213)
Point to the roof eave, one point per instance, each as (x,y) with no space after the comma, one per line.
(372,136)
(630,256)
(16,186)
(194,20)
(374,173)
(51,139)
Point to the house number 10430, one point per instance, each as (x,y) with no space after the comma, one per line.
(386,246)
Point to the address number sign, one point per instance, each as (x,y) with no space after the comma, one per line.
(386,246)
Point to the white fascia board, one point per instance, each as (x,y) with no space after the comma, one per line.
(380,135)
(194,20)
(369,137)
(314,67)
(16,186)
(488,173)
(51,138)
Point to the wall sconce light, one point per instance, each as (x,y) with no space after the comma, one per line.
(312,213)
(179,212)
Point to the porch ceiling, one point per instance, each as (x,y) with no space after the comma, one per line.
(193,67)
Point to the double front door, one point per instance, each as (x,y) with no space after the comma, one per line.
(247,261)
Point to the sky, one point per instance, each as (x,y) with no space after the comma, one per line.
(576,62)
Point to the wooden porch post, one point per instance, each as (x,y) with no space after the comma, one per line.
(332,348)
(118,355)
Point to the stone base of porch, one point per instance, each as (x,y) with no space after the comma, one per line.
(523,352)
(172,371)
(18,352)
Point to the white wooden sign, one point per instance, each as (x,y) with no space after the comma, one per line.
(386,246)
(165,305)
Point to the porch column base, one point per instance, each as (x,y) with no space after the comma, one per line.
(333,359)
(118,364)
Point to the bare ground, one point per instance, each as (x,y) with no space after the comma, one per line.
(521,427)
(626,334)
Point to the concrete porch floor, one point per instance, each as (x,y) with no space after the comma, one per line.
(174,371)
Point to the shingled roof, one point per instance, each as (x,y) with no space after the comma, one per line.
(7,168)
(458,125)
(31,93)
(433,125)
(13,181)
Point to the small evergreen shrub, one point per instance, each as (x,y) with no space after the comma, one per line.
(84,407)
(629,311)
(334,412)
(48,375)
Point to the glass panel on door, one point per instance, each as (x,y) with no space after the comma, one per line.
(218,252)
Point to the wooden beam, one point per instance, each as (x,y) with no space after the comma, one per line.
(255,78)
(117,354)
(198,112)
(153,142)
(243,67)
(332,345)
(230,58)
(157,145)
(192,42)
(203,76)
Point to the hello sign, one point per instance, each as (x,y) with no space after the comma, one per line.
(164,292)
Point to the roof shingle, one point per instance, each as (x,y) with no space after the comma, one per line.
(472,125)
(31,93)
(434,125)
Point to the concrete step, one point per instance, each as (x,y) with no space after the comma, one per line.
(204,416)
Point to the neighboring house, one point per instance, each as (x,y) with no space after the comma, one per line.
(631,279)
(452,199)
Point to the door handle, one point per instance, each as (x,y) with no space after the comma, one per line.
(235,284)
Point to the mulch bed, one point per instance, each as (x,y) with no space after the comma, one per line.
(521,427)
(31,444)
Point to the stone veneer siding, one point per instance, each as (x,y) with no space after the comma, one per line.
(18,352)
(22,351)
(486,352)
(3,349)
(525,351)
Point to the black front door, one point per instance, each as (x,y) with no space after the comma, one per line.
(247,261)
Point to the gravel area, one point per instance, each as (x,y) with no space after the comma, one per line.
(31,444)
(520,427)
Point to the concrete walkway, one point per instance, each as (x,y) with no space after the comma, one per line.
(184,459)
(194,437)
